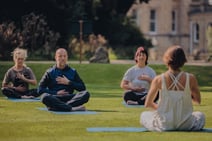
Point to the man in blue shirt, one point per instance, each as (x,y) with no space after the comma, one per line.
(58,84)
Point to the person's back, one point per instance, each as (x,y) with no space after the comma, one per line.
(175,107)
(174,110)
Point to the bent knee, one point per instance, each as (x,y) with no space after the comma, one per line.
(45,96)
(87,96)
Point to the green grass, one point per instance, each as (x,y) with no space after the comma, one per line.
(21,121)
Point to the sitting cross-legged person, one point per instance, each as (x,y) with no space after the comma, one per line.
(18,78)
(58,84)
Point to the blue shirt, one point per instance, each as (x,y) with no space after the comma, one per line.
(48,83)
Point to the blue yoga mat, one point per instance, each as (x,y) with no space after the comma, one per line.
(23,100)
(132,106)
(206,130)
(116,129)
(133,129)
(69,113)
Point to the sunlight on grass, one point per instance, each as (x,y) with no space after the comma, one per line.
(22,121)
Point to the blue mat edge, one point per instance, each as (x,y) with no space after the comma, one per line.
(23,100)
(116,129)
(133,129)
(67,113)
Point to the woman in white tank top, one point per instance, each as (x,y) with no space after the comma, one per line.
(174,110)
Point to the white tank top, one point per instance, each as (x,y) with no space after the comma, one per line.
(175,105)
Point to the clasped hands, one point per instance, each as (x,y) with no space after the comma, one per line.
(144,77)
(141,77)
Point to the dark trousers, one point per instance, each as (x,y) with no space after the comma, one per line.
(11,93)
(140,98)
(65,102)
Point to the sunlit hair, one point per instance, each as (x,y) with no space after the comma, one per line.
(19,53)
(138,52)
(174,57)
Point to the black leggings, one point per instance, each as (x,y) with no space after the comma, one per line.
(140,98)
(11,93)
(64,102)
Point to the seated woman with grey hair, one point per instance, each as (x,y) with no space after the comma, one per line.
(18,78)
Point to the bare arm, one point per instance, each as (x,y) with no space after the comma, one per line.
(195,92)
(7,85)
(153,91)
(125,85)
(30,81)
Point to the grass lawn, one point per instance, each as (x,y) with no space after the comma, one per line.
(22,121)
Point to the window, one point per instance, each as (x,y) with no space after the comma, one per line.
(174,22)
(134,14)
(210,2)
(196,33)
(152,21)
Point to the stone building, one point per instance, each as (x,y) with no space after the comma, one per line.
(169,22)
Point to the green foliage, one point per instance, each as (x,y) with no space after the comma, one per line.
(119,31)
(33,34)
(44,26)
(22,121)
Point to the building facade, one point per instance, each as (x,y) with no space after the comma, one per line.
(174,22)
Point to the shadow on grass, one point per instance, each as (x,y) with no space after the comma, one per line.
(106,96)
(96,110)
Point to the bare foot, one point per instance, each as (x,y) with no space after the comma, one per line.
(27,97)
(130,102)
(79,108)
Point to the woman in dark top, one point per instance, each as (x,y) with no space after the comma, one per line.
(17,78)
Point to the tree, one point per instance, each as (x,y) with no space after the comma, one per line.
(113,23)
(107,16)
(34,35)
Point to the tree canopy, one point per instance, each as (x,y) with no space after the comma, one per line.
(107,17)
